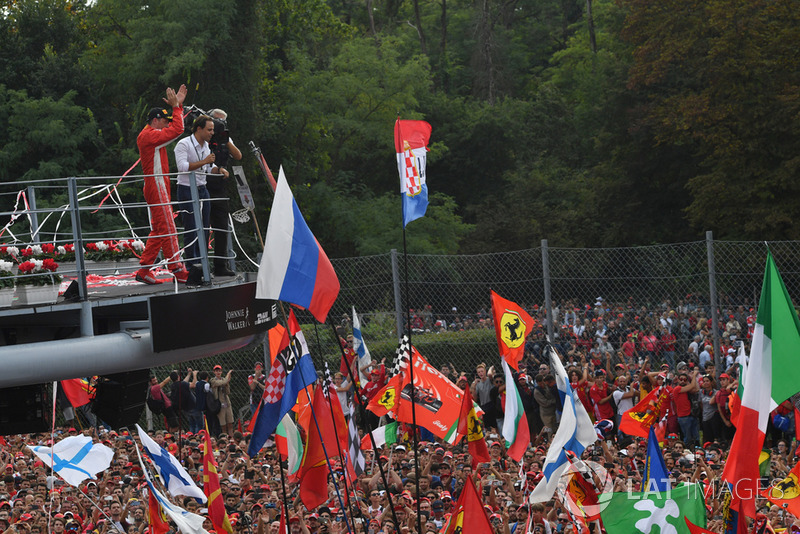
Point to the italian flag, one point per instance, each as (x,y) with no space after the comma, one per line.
(515,425)
(772,377)
(384,435)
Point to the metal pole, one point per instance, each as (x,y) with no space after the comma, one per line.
(34,217)
(198,224)
(548,301)
(77,237)
(398,300)
(712,288)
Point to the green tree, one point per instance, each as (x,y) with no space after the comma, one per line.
(45,138)
(721,80)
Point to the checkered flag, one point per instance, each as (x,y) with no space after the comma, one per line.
(403,356)
(355,454)
(327,383)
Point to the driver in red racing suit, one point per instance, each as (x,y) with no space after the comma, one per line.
(163,127)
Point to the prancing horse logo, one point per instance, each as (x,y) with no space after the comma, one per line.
(512,329)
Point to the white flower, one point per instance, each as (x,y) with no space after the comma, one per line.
(38,266)
(13,251)
(101,245)
(138,244)
(62,249)
(6,265)
(37,249)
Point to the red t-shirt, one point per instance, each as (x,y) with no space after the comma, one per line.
(602,411)
(683,406)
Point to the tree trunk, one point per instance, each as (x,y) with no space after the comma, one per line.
(443,74)
(590,24)
(371,18)
(418,18)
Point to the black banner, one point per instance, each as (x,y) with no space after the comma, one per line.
(209,316)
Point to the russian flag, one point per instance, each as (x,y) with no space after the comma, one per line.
(294,267)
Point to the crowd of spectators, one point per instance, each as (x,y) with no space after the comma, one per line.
(613,357)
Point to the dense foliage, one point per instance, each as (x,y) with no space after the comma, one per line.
(586,122)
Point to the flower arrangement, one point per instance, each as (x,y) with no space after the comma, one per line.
(38,273)
(6,276)
(100,251)
(126,249)
(66,252)
(9,253)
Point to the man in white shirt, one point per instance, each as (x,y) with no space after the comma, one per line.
(193,154)
(624,397)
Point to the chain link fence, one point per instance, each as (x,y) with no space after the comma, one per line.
(631,290)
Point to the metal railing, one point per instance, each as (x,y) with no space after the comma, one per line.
(684,286)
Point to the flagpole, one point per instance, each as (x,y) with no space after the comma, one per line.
(411,375)
(283,488)
(336,435)
(316,423)
(338,443)
(110,521)
(325,451)
(365,421)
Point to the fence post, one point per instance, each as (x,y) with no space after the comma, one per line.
(33,215)
(712,288)
(548,301)
(77,238)
(398,301)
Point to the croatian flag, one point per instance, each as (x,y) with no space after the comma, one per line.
(411,145)
(294,267)
(291,372)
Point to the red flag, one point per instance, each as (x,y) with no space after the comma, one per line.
(340,426)
(734,405)
(796,425)
(786,493)
(470,426)
(282,528)
(469,511)
(158,525)
(76,391)
(649,411)
(211,487)
(385,400)
(512,325)
(694,529)
(438,400)
(314,471)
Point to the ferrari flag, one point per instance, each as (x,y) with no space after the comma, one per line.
(512,325)
(438,400)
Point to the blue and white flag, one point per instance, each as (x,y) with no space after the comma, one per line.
(364,357)
(575,433)
(187,522)
(75,458)
(172,473)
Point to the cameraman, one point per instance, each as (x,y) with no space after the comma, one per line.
(223,147)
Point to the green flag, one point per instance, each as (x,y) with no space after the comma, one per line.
(631,513)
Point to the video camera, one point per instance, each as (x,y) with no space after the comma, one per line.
(219,142)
